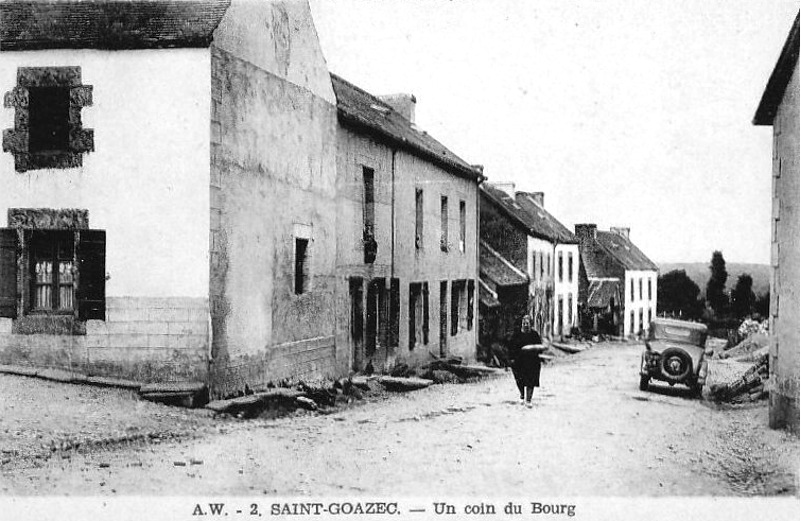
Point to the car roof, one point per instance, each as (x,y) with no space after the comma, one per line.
(680,323)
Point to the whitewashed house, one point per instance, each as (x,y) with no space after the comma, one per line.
(168,192)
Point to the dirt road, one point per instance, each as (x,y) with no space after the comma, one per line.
(590,433)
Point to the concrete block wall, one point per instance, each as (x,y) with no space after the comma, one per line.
(142,339)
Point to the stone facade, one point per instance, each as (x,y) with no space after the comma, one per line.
(779,108)
(378,326)
(272,183)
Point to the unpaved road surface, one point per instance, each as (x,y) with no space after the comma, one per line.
(591,432)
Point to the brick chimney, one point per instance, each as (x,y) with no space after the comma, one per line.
(537,197)
(586,232)
(404,104)
(623,232)
(509,188)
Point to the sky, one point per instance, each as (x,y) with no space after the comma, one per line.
(623,112)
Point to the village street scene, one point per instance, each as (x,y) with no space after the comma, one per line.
(410,252)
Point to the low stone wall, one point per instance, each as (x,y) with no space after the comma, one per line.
(142,339)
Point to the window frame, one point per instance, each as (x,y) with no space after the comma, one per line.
(29,229)
(17,140)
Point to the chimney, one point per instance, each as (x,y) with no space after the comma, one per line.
(403,104)
(623,232)
(586,232)
(537,197)
(509,188)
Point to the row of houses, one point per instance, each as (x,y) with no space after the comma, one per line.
(588,280)
(191,196)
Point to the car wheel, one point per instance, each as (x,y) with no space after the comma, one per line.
(644,380)
(676,364)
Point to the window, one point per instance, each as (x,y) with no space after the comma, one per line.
(63,273)
(570,266)
(570,310)
(632,290)
(542,266)
(561,276)
(443,318)
(641,321)
(376,327)
(640,289)
(52,257)
(548,264)
(301,265)
(443,217)
(560,315)
(418,216)
(48,110)
(650,295)
(370,244)
(458,306)
(462,226)
(631,326)
(48,132)
(418,314)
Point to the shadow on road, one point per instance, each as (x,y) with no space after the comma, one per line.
(667,390)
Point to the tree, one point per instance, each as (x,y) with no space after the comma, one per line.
(742,297)
(677,295)
(716,286)
(762,305)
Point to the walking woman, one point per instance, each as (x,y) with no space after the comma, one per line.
(526,346)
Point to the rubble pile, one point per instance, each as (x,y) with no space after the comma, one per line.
(750,386)
(739,373)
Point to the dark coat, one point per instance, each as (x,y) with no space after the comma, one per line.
(527,364)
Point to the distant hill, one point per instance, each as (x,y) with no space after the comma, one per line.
(699,273)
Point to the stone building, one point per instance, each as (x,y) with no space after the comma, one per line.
(617,282)
(779,109)
(169,184)
(407,232)
(517,226)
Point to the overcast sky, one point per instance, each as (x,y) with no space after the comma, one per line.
(625,113)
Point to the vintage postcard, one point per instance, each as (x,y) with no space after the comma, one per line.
(399,259)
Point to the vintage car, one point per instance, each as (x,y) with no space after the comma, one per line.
(675,353)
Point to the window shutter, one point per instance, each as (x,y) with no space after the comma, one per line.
(91,292)
(8,273)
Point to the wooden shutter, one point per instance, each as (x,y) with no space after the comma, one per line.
(394,313)
(8,273)
(91,257)
(425,313)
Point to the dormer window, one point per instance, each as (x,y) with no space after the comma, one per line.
(48,132)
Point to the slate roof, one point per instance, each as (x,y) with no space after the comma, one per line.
(601,291)
(779,79)
(624,251)
(597,262)
(496,269)
(529,215)
(108,24)
(366,112)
